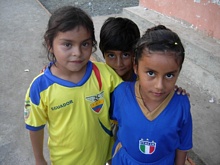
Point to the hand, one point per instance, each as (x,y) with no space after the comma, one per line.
(41,162)
(109,162)
(42,70)
(179,91)
(189,161)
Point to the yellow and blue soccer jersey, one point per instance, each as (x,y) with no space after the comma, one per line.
(149,138)
(77,115)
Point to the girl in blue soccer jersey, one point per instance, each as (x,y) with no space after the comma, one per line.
(155,124)
(118,37)
(72,96)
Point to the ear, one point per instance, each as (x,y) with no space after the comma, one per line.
(50,50)
(135,67)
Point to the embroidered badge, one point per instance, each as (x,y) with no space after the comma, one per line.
(27,108)
(147,147)
(97,102)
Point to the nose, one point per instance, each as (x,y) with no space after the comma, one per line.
(76,51)
(159,83)
(119,61)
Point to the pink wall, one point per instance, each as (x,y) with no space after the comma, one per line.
(202,14)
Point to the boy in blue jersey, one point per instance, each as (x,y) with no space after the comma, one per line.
(155,124)
(72,96)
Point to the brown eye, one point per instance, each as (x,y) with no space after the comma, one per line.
(126,55)
(67,44)
(111,56)
(85,44)
(150,73)
(169,76)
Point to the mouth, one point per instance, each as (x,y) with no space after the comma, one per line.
(157,94)
(119,69)
(76,61)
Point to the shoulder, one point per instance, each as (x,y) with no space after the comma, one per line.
(108,76)
(125,87)
(37,80)
(181,100)
(127,84)
(42,81)
(39,84)
(106,70)
(181,97)
(102,65)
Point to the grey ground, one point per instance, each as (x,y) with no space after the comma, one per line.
(92,7)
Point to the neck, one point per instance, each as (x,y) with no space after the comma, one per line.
(149,104)
(72,76)
(127,76)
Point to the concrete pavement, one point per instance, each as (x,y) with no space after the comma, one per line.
(22,24)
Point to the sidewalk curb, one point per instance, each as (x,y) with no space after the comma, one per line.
(43,7)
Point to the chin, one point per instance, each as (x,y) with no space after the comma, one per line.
(121,75)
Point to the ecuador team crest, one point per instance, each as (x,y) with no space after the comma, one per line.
(97,102)
(147,147)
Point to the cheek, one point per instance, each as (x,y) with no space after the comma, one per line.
(87,52)
(128,63)
(170,85)
(145,84)
(109,62)
(59,50)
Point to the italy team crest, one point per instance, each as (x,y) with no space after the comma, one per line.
(147,147)
(97,102)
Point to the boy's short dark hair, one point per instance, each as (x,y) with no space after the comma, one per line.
(118,34)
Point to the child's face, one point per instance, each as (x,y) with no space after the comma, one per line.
(72,49)
(121,62)
(158,73)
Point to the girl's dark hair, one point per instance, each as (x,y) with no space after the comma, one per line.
(162,39)
(118,34)
(64,19)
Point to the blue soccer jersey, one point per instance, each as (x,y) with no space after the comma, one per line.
(77,115)
(151,138)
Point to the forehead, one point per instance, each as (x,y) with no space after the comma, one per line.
(159,61)
(77,33)
(117,52)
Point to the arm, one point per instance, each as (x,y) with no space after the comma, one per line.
(180,157)
(37,140)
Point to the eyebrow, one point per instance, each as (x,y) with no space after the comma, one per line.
(173,71)
(109,51)
(113,51)
(67,40)
(90,38)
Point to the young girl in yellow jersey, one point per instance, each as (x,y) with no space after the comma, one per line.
(72,96)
